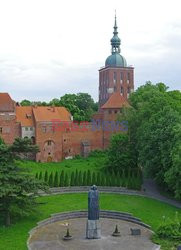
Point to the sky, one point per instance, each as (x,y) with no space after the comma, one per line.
(52,47)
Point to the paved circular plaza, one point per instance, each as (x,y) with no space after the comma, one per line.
(50,236)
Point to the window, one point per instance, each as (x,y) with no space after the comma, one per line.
(110,111)
(31,128)
(1,130)
(44,129)
(122,90)
(121,77)
(114,77)
(26,128)
(128,77)
(49,142)
(128,90)
(115,111)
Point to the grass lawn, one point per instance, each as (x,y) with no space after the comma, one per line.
(149,210)
(93,163)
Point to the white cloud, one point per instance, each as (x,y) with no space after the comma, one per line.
(52,47)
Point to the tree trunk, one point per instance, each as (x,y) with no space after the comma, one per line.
(7,219)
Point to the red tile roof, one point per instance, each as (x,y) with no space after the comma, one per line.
(50,113)
(24,115)
(6,103)
(115,101)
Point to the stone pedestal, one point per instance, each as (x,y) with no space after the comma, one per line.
(93,229)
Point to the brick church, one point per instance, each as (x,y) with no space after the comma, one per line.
(53,128)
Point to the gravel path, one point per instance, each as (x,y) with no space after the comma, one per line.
(151,190)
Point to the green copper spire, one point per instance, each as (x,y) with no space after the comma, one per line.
(115,41)
(115,59)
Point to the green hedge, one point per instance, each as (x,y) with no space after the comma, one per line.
(131,179)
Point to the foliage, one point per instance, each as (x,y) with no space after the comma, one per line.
(155,133)
(22,146)
(17,188)
(80,105)
(170,229)
(120,153)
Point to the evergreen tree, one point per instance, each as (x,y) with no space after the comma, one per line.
(50,181)
(40,176)
(62,179)
(94,179)
(80,178)
(46,177)
(84,182)
(72,179)
(89,179)
(98,179)
(56,183)
(18,190)
(76,178)
(66,180)
(103,181)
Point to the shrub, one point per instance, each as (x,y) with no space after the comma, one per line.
(56,184)
(97,153)
(72,179)
(98,183)
(89,179)
(46,177)
(40,176)
(84,182)
(66,180)
(62,179)
(170,229)
(94,179)
(76,178)
(80,179)
(50,181)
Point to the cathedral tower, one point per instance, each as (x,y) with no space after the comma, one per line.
(115,76)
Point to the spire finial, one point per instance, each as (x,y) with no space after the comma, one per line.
(115,41)
(115,24)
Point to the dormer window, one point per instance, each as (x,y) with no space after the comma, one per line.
(28,116)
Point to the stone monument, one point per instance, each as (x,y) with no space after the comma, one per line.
(93,230)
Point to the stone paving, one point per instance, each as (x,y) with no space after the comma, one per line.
(49,237)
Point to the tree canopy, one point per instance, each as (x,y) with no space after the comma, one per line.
(155,132)
(17,188)
(81,105)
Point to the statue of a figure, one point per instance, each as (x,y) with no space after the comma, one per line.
(93,229)
(93,204)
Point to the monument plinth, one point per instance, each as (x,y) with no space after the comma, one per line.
(93,229)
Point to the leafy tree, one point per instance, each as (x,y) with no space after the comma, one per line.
(26,103)
(154,132)
(120,153)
